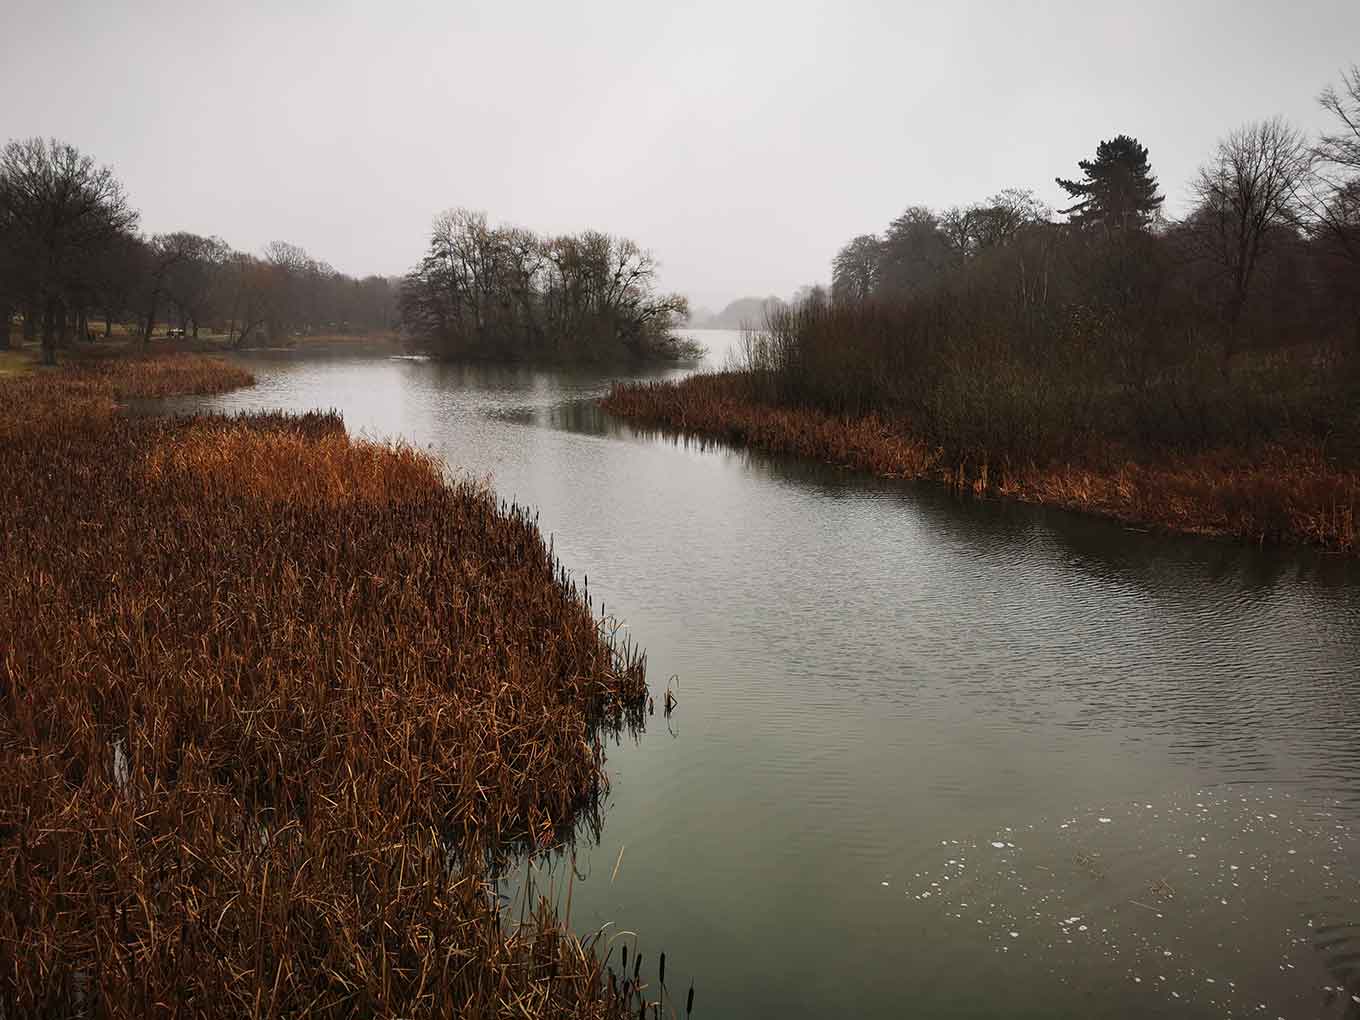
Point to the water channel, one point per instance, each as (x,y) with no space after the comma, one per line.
(931,757)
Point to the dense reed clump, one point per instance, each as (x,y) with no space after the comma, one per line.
(273,705)
(1273,492)
(91,388)
(142,376)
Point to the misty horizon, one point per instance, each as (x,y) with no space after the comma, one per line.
(742,145)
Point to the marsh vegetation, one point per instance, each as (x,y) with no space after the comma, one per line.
(935,669)
(275,705)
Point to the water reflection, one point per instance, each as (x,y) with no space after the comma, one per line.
(1156,562)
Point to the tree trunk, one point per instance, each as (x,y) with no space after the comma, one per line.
(82,326)
(231,323)
(64,325)
(31,317)
(150,322)
(108,323)
(49,332)
(6,313)
(1355,319)
(247,326)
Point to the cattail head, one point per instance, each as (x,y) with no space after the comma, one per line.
(663,969)
(689,1000)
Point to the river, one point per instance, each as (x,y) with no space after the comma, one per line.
(930,757)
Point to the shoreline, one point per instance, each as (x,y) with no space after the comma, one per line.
(1281,495)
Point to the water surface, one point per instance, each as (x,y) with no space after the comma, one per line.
(931,757)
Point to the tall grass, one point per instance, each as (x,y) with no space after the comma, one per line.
(274,704)
(1063,383)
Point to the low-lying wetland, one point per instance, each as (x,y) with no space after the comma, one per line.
(275,705)
(871,667)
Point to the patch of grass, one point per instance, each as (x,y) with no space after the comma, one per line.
(17,362)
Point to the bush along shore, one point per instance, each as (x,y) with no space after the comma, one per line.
(275,707)
(1274,492)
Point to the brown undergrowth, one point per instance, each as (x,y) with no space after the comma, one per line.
(274,704)
(1276,493)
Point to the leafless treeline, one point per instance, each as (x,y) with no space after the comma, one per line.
(506,292)
(1005,332)
(73,264)
(1268,255)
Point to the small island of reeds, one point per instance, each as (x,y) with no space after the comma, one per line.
(274,703)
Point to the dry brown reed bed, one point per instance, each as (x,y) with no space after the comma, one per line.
(137,376)
(91,387)
(1275,494)
(272,704)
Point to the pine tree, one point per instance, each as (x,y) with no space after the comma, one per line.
(1117,188)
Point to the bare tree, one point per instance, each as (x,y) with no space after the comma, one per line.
(810,294)
(483,291)
(118,275)
(1007,213)
(259,290)
(999,220)
(194,280)
(1341,146)
(959,223)
(855,269)
(915,253)
(14,288)
(299,286)
(58,213)
(1334,190)
(164,253)
(1335,181)
(1248,204)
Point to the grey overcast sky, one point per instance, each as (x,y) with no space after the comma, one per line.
(742,142)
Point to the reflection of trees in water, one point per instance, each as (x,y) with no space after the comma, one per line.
(1168,565)
(512,375)
(582,416)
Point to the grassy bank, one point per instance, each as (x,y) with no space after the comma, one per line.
(272,702)
(1271,493)
(16,362)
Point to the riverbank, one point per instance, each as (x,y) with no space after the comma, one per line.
(341,343)
(272,702)
(1275,494)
